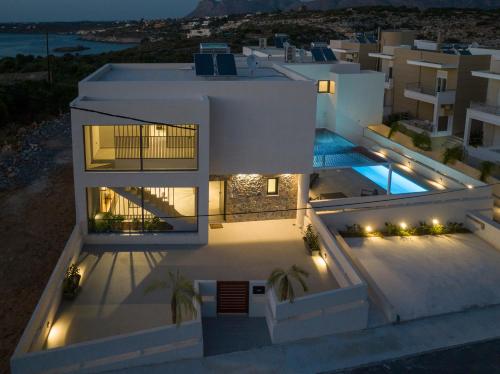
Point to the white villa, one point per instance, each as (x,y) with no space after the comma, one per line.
(215,169)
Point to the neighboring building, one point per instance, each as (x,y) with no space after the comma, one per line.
(482,125)
(356,50)
(349,99)
(217,145)
(431,87)
(359,47)
(199,33)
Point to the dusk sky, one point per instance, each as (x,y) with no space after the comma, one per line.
(76,10)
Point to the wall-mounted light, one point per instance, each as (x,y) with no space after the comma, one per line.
(326,87)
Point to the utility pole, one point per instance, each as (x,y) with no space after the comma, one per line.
(49,74)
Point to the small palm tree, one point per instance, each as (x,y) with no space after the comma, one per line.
(283,281)
(183,296)
(486,170)
(450,155)
(394,128)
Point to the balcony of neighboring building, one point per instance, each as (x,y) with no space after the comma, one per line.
(431,95)
(482,131)
(485,112)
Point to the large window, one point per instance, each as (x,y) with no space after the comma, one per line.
(141,147)
(142,209)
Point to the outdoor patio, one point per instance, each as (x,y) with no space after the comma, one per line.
(429,275)
(113,299)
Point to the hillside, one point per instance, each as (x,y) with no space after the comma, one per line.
(222,7)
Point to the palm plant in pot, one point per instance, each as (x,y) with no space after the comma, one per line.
(282,281)
(311,239)
(71,282)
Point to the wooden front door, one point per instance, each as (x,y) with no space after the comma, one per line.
(232,297)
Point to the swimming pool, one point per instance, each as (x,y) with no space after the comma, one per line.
(379,174)
(334,151)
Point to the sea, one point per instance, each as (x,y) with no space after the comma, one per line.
(34,44)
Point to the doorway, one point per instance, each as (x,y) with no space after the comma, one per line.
(216,204)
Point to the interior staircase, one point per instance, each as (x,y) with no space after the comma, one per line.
(159,206)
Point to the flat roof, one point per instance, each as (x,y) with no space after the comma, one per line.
(177,73)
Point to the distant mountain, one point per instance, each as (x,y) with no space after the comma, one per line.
(222,7)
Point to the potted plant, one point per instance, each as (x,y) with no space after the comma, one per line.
(71,283)
(281,281)
(311,240)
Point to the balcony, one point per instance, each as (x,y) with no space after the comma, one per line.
(485,112)
(417,91)
(141,147)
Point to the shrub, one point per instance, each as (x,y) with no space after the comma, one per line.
(486,169)
(311,239)
(391,229)
(450,155)
(422,140)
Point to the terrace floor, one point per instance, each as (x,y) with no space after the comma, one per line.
(430,275)
(113,299)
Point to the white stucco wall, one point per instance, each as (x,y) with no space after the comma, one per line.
(261,126)
(176,111)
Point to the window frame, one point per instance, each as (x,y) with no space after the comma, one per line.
(276,192)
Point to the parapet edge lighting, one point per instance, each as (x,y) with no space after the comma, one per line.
(326,87)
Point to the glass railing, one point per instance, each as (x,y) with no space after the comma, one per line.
(141,147)
(142,209)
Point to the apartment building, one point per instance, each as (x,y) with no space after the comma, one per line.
(166,148)
(359,47)
(431,86)
(482,125)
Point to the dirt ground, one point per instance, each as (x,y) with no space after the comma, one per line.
(35,222)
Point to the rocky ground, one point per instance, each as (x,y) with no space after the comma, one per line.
(36,218)
(41,147)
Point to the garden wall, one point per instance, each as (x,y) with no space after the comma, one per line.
(146,347)
(411,209)
(36,332)
(339,310)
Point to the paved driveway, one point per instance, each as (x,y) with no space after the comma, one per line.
(428,275)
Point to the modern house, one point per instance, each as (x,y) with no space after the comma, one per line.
(482,125)
(166,148)
(431,85)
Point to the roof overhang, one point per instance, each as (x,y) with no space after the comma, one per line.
(429,64)
(384,56)
(486,74)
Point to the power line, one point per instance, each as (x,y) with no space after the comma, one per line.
(131,118)
(267,211)
(329,206)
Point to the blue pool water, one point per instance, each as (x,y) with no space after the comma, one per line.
(379,174)
(333,151)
